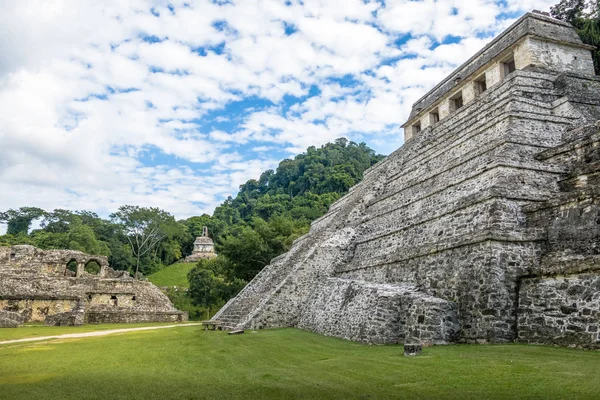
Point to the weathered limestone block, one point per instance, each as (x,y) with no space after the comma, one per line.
(12,315)
(412,349)
(73,318)
(431,320)
(563,310)
(355,310)
(9,319)
(565,58)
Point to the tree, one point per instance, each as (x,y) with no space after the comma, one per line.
(210,284)
(144,228)
(568,10)
(81,237)
(19,221)
(58,221)
(204,288)
(585,18)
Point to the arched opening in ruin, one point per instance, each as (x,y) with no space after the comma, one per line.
(92,267)
(71,268)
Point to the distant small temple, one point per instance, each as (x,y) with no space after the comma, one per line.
(204,248)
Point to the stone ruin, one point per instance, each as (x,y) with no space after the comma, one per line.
(65,287)
(483,227)
(204,248)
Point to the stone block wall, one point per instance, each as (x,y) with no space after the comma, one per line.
(9,319)
(37,310)
(559,301)
(379,314)
(561,310)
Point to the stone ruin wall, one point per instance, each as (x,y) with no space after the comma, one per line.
(38,286)
(473,230)
(559,299)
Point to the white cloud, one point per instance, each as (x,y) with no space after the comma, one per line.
(109,103)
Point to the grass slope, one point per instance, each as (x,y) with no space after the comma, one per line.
(173,275)
(190,363)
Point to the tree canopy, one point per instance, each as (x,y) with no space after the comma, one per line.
(270,212)
(584,15)
(19,221)
(145,229)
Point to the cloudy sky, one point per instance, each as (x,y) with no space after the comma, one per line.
(176,103)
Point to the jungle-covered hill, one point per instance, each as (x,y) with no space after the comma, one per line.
(259,223)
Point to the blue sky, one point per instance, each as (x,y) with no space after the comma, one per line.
(174,104)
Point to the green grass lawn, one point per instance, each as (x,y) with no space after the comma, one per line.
(190,363)
(37,330)
(173,275)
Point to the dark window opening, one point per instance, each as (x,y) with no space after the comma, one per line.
(71,269)
(456,101)
(133,298)
(114,301)
(480,85)
(434,116)
(508,66)
(417,128)
(13,256)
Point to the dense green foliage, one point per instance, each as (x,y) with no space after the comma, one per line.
(182,301)
(19,221)
(85,231)
(260,223)
(584,15)
(212,283)
(189,363)
(175,278)
(146,228)
(268,214)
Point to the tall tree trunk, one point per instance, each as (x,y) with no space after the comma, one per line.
(137,267)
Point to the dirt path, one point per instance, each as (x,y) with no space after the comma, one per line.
(93,334)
